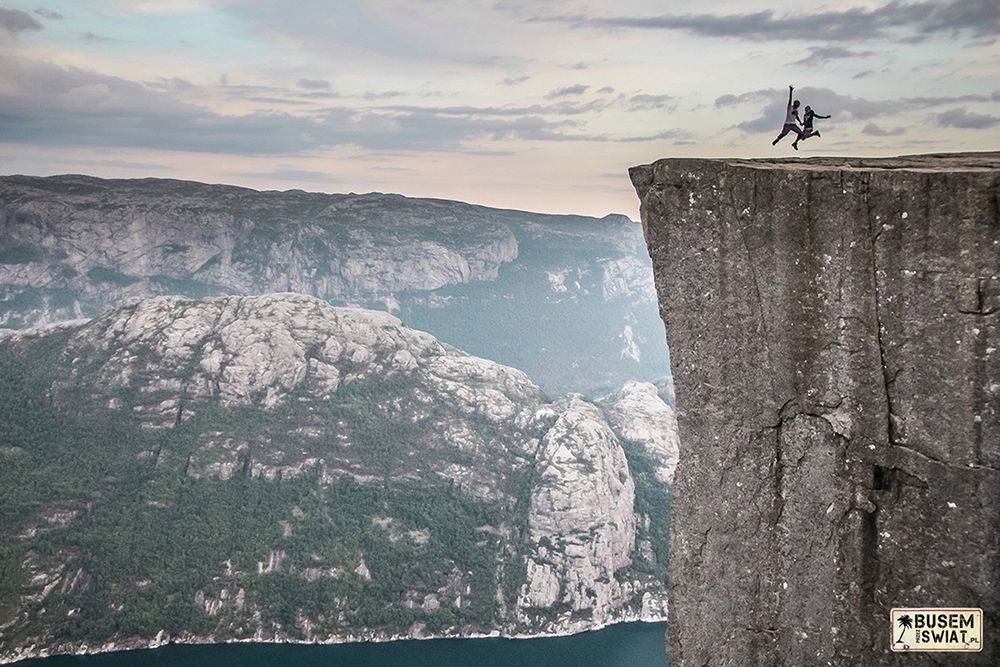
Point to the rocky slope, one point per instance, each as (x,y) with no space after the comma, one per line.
(501,284)
(834,332)
(276,468)
(638,414)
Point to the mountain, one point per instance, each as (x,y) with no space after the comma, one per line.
(567,299)
(276,468)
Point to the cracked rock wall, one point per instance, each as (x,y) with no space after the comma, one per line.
(833,328)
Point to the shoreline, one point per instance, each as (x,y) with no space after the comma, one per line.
(159,641)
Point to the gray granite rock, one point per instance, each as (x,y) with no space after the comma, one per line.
(833,327)
(285,388)
(497,283)
(77,245)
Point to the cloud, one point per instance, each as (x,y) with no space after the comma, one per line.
(47,104)
(577,89)
(968,121)
(646,102)
(980,17)
(48,14)
(314,24)
(120,164)
(384,95)
(924,102)
(283,173)
(515,80)
(667,134)
(161,7)
(729,100)
(94,37)
(15,21)
(873,130)
(313,84)
(427,130)
(863,75)
(564,108)
(843,107)
(274,94)
(391,168)
(820,55)
(174,83)
(264,99)
(824,100)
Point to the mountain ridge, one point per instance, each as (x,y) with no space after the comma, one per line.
(73,247)
(388,485)
(145,180)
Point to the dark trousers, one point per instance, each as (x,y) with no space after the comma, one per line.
(789,127)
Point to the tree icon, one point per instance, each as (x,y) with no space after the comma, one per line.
(904,622)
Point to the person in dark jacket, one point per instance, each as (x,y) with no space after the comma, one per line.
(807,126)
(791,119)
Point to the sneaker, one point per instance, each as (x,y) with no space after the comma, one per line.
(774,143)
(795,145)
(818,134)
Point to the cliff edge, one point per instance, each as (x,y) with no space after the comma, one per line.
(834,327)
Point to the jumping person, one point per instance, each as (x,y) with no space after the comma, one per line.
(791,120)
(807,126)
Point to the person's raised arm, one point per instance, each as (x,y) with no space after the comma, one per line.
(819,116)
(790,89)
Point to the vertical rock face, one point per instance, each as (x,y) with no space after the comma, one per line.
(637,413)
(581,527)
(834,327)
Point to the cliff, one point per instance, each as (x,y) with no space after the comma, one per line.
(833,327)
(273,468)
(94,242)
(497,283)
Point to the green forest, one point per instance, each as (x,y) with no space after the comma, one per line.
(150,547)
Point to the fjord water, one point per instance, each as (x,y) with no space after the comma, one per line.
(632,644)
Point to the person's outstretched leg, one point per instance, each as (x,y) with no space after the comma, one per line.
(785,130)
(803,136)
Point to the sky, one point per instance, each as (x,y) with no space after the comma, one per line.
(521,104)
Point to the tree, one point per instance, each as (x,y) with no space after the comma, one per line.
(904,622)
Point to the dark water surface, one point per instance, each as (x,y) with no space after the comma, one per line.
(624,645)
